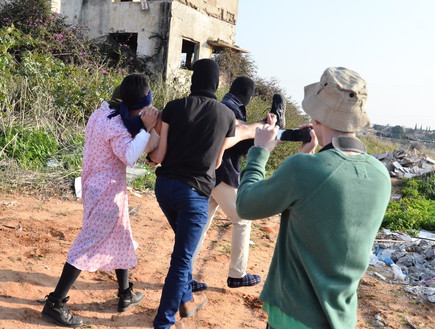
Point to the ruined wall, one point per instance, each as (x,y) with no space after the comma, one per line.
(160,28)
(196,23)
(102,17)
(93,14)
(225,10)
(148,24)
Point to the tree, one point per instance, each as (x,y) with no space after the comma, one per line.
(398,132)
(233,64)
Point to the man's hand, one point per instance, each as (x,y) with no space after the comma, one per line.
(309,147)
(149,117)
(265,137)
(271,119)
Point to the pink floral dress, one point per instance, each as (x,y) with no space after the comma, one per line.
(105,241)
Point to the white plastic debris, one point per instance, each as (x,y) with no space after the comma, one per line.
(397,272)
(78,187)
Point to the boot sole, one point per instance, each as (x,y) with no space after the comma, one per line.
(129,306)
(53,320)
(193,310)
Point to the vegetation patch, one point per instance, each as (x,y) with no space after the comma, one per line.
(416,209)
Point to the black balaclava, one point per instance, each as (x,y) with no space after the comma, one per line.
(243,89)
(205,77)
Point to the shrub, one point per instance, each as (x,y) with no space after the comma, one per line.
(31,147)
(53,34)
(234,64)
(416,209)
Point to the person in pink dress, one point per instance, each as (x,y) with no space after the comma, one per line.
(105,241)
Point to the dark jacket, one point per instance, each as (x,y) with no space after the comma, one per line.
(229,170)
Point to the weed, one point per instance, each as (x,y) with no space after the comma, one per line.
(416,209)
(225,249)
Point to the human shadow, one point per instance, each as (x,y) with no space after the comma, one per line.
(45,280)
(27,315)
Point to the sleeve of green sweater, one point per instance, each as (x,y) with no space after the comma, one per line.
(258,197)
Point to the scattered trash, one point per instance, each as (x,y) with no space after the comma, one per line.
(9,203)
(397,272)
(408,260)
(378,321)
(406,164)
(134,173)
(133,211)
(380,276)
(78,187)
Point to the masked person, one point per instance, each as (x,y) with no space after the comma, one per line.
(224,193)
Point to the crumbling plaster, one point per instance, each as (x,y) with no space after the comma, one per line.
(195,25)
(161,28)
(225,10)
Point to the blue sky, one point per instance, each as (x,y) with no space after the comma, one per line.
(390,43)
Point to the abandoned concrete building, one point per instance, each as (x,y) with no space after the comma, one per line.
(170,34)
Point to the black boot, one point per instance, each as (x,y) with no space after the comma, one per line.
(56,311)
(278,108)
(128,298)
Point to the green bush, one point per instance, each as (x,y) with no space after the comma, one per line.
(416,209)
(146,182)
(32,147)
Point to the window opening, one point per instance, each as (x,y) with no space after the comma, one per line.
(189,53)
(126,39)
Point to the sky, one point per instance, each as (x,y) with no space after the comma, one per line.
(390,43)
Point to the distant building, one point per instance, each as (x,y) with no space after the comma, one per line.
(170,34)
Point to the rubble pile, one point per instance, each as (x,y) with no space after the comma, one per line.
(406,164)
(409,261)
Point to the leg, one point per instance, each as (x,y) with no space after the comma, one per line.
(122,277)
(127,298)
(225,195)
(54,309)
(213,206)
(67,278)
(186,211)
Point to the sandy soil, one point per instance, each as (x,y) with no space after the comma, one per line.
(36,235)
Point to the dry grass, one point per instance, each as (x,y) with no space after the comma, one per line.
(14,179)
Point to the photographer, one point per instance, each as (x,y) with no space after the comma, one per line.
(332,204)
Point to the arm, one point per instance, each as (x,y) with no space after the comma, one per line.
(137,147)
(159,153)
(258,197)
(143,141)
(244,131)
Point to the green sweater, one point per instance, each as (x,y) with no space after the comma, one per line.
(331,206)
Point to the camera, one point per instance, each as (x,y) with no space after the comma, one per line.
(294,135)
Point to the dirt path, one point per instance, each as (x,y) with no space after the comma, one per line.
(36,235)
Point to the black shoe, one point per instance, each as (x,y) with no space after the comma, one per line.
(198,286)
(56,311)
(247,281)
(278,108)
(128,298)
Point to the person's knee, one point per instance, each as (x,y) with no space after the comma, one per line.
(240,222)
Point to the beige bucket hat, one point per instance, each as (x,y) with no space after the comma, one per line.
(338,100)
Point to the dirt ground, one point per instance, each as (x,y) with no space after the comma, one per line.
(36,235)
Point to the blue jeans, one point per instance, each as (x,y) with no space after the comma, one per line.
(186,211)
